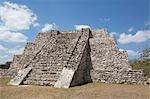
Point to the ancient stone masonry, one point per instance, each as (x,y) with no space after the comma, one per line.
(66,59)
(4,68)
(20,76)
(109,64)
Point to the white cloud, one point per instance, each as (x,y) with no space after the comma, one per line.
(121,50)
(3,28)
(140,36)
(147,23)
(13,19)
(16,50)
(17,17)
(106,19)
(3,53)
(130,29)
(48,27)
(36,24)
(79,27)
(2,48)
(6,54)
(112,34)
(8,36)
(131,53)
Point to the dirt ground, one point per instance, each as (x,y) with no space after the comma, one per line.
(88,91)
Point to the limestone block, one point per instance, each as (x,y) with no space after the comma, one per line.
(65,78)
(20,77)
(54,57)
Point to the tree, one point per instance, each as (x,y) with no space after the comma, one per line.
(145,54)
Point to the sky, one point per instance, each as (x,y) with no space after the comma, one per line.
(21,20)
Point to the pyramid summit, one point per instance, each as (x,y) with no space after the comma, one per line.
(67,59)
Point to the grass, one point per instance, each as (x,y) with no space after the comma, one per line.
(4,81)
(88,91)
(142,64)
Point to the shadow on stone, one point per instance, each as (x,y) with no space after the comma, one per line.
(82,74)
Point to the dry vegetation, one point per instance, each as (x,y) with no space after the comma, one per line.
(89,91)
(142,64)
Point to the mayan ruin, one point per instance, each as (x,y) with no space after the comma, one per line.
(67,59)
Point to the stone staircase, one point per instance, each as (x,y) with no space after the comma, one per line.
(44,74)
(66,59)
(64,51)
(17,80)
(49,63)
(68,74)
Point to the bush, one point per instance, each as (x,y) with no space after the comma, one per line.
(142,64)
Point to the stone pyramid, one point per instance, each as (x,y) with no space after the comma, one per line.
(66,59)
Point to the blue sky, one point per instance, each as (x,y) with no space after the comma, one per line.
(129,18)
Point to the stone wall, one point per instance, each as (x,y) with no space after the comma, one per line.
(30,51)
(121,77)
(4,69)
(57,53)
(3,72)
(87,55)
(82,74)
(5,65)
(109,64)
(21,61)
(75,72)
(104,53)
(12,71)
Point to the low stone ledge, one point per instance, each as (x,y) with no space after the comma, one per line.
(121,77)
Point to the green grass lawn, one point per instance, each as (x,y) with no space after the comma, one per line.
(88,91)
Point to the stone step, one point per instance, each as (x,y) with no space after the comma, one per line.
(46,83)
(51,63)
(43,75)
(42,79)
(20,76)
(48,68)
(46,71)
(51,72)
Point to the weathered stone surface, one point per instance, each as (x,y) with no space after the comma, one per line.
(4,69)
(104,53)
(14,66)
(65,78)
(5,65)
(66,59)
(3,72)
(59,51)
(19,78)
(121,77)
